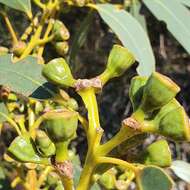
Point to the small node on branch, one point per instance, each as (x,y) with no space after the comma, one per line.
(65,168)
(132,123)
(87,83)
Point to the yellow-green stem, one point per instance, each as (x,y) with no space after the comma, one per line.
(124,134)
(117,161)
(43,175)
(34,40)
(94,134)
(48,30)
(62,151)
(40,4)
(12,122)
(10,29)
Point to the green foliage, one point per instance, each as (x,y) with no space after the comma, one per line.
(152,177)
(185,2)
(23,150)
(45,129)
(181,169)
(21,5)
(24,77)
(128,29)
(176,16)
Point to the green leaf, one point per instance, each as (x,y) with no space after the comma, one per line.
(135,11)
(185,2)
(176,16)
(80,37)
(22,149)
(3,110)
(181,169)
(21,5)
(152,177)
(131,34)
(24,77)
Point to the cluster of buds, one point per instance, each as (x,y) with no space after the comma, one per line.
(61,36)
(155,108)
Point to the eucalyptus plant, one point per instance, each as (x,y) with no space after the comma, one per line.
(155,110)
(34,100)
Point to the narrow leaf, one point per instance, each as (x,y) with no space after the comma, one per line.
(181,169)
(185,2)
(131,34)
(21,5)
(80,36)
(176,16)
(24,77)
(135,11)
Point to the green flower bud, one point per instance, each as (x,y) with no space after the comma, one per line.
(52,178)
(60,30)
(107,180)
(19,48)
(136,90)
(119,60)
(58,72)
(62,48)
(175,125)
(158,91)
(170,121)
(44,145)
(61,125)
(158,153)
(3,50)
(22,150)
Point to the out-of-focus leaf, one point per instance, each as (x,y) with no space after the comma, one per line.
(181,169)
(4,183)
(131,34)
(24,77)
(176,16)
(3,110)
(152,177)
(21,5)
(135,11)
(23,150)
(80,37)
(185,2)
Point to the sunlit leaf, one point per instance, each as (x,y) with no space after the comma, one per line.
(176,16)
(181,169)
(21,5)
(24,77)
(185,2)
